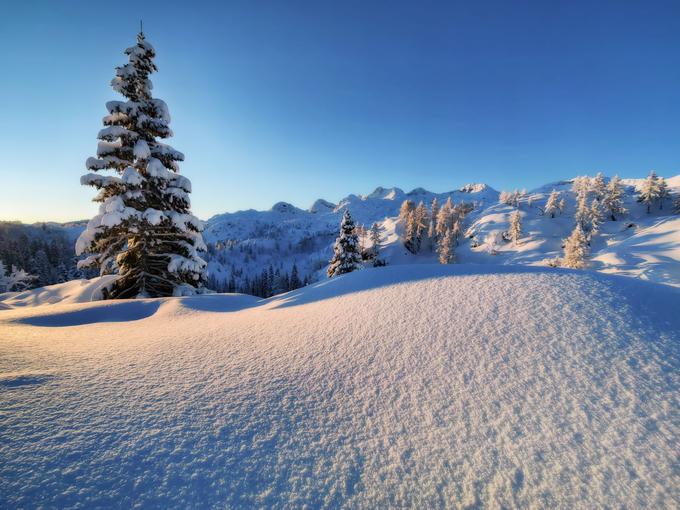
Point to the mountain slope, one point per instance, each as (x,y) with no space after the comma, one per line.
(423,386)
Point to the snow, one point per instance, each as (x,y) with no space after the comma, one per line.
(425,386)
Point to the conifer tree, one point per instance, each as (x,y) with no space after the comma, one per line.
(663,192)
(515,227)
(445,248)
(575,249)
(613,198)
(551,205)
(346,257)
(598,186)
(144,231)
(376,239)
(650,191)
(407,206)
(295,282)
(444,219)
(595,217)
(676,205)
(582,215)
(432,230)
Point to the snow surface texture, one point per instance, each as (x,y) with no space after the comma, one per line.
(407,386)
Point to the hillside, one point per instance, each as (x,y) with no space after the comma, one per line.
(244,245)
(425,386)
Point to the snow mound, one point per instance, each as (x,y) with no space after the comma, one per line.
(74,291)
(406,386)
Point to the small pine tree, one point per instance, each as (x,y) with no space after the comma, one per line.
(295,282)
(444,219)
(649,193)
(551,205)
(432,230)
(144,230)
(445,248)
(515,227)
(376,239)
(346,257)
(663,192)
(407,206)
(613,198)
(598,187)
(595,216)
(582,215)
(676,205)
(575,249)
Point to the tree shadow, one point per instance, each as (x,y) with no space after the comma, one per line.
(115,312)
(220,302)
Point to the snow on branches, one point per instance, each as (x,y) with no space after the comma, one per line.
(144,230)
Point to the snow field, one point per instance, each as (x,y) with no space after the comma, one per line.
(407,386)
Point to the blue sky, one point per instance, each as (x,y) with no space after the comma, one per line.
(299,100)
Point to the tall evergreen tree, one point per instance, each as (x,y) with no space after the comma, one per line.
(144,230)
(346,257)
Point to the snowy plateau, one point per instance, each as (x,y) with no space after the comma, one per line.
(495,382)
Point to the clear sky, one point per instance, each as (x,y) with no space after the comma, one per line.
(299,100)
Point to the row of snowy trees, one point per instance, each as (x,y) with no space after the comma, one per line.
(438,228)
(595,198)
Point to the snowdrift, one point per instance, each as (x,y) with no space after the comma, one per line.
(421,386)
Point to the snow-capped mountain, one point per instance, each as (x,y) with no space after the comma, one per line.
(644,245)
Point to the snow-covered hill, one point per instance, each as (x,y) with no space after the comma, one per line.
(407,386)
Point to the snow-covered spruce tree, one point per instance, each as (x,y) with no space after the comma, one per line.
(144,230)
(515,231)
(649,193)
(575,249)
(346,257)
(676,205)
(446,247)
(613,198)
(551,205)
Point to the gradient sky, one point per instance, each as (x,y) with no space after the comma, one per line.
(299,100)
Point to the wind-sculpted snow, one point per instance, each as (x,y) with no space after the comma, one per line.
(415,386)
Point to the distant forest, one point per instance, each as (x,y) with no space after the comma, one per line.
(44,250)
